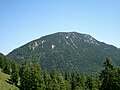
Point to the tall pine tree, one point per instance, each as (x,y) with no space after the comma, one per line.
(109,77)
(31,77)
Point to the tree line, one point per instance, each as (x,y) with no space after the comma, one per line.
(30,76)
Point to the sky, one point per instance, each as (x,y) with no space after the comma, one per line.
(22,21)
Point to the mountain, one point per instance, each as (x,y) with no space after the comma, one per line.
(67,51)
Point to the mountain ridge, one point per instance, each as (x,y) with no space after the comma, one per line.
(67,51)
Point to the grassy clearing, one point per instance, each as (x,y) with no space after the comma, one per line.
(3,84)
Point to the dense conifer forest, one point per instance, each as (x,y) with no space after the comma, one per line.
(30,76)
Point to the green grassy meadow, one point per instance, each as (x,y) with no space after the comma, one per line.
(3,84)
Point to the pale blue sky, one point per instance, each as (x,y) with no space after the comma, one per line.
(22,21)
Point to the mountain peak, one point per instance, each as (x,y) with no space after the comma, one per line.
(74,35)
(67,51)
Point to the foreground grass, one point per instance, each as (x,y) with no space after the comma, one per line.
(3,84)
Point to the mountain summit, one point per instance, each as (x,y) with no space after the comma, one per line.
(67,51)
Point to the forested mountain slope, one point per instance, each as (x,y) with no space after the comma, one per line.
(67,51)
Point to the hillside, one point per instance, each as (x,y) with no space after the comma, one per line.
(4,78)
(67,51)
(3,84)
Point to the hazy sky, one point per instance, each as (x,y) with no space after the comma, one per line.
(22,21)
